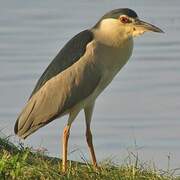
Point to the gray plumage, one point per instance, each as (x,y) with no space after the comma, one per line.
(67,56)
(49,99)
(81,71)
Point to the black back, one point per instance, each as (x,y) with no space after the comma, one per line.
(67,56)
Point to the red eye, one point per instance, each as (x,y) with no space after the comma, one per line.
(124,19)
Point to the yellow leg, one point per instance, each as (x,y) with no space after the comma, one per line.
(91,147)
(65,147)
(88,115)
(65,138)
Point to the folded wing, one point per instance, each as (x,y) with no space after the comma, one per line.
(58,91)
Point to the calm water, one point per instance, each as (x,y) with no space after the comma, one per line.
(141,107)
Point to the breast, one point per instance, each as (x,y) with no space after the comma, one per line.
(110,61)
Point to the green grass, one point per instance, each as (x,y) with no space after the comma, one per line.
(17,162)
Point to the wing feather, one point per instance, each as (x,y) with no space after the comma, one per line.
(59,94)
(67,56)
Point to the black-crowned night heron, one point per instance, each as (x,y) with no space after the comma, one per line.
(79,73)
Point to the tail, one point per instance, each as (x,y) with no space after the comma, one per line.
(26,123)
(38,112)
(23,124)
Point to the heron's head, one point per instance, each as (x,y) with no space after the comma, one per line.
(124,22)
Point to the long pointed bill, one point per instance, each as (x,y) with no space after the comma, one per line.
(147,26)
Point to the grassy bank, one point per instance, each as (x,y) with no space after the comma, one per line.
(17,162)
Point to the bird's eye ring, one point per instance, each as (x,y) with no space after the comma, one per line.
(124,19)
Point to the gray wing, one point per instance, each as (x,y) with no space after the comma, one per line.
(59,94)
(67,56)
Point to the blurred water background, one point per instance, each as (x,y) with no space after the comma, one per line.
(139,111)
